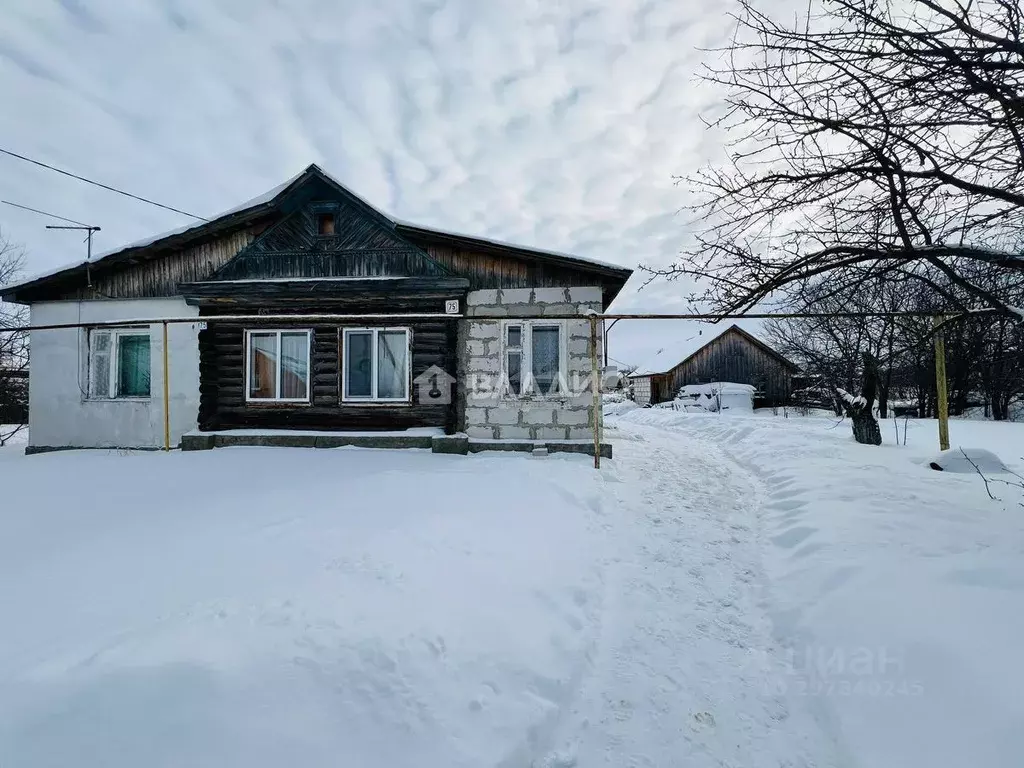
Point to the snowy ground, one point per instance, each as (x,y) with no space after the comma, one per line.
(259,606)
(896,592)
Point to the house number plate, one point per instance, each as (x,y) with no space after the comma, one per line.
(451,307)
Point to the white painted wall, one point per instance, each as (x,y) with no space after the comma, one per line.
(61,414)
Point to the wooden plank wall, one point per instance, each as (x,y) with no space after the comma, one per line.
(160,276)
(222,403)
(492,270)
(732,357)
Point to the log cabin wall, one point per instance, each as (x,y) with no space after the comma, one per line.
(222,403)
(733,357)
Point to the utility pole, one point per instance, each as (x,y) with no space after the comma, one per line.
(941,394)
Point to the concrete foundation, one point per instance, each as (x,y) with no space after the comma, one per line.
(200,442)
(449,444)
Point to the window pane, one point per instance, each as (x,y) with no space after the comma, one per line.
(294,365)
(545,357)
(515,374)
(99,364)
(262,365)
(515,336)
(325,224)
(358,364)
(392,364)
(133,366)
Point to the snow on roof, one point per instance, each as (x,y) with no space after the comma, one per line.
(268,197)
(263,199)
(673,353)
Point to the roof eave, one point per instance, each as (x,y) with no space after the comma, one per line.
(238,218)
(484,244)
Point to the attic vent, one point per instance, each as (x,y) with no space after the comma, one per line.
(325,224)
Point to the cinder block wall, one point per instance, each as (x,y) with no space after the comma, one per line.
(480,350)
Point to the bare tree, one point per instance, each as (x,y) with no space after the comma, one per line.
(13,349)
(871,139)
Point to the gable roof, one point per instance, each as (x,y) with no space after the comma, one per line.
(675,354)
(265,205)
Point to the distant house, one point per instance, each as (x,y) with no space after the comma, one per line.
(732,355)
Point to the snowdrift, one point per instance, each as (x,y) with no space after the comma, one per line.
(896,591)
(266,607)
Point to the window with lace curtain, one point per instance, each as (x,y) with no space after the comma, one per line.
(533,358)
(119,363)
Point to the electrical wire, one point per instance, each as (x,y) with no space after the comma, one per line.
(44,213)
(101,185)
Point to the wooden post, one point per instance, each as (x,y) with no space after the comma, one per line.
(595,383)
(167,396)
(941,395)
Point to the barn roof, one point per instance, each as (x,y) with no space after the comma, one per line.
(266,203)
(680,351)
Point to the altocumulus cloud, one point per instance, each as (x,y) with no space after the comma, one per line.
(555,124)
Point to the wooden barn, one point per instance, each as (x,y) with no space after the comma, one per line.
(733,355)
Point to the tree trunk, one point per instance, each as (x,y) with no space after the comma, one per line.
(998,409)
(866,429)
(865,426)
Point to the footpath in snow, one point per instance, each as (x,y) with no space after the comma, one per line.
(686,671)
(897,592)
(399,608)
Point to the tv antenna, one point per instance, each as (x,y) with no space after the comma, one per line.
(87,228)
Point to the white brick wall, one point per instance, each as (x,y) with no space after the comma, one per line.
(490,416)
(642,390)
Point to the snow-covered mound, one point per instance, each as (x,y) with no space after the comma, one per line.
(718,396)
(265,607)
(967,460)
(616,408)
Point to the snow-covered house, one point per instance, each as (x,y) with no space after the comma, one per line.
(733,355)
(444,334)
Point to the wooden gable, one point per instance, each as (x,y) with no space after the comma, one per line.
(362,243)
(277,237)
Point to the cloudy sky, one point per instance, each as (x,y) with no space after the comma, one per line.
(553,123)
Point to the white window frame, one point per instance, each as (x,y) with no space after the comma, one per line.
(525,350)
(277,374)
(113,365)
(375,333)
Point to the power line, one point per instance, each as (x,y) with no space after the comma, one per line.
(44,213)
(102,186)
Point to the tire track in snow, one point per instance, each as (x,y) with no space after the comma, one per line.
(685,672)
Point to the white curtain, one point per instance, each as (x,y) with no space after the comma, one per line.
(392,364)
